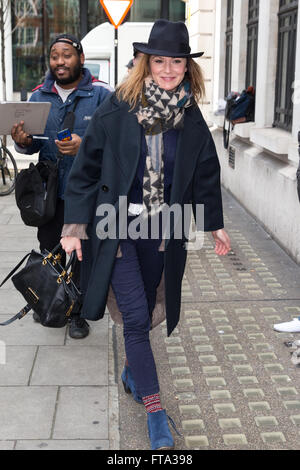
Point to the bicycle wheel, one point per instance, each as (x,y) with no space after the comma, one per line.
(8,172)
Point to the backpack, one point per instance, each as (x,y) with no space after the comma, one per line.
(36,193)
(240,108)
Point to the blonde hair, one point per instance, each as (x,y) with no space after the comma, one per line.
(130,89)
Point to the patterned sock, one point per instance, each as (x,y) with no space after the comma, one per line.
(152,403)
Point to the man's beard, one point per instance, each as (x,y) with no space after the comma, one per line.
(74,75)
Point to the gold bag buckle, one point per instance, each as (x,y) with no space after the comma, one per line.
(61,276)
(44,262)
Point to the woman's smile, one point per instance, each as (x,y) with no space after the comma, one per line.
(168,72)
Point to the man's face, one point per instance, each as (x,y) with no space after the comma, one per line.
(65,63)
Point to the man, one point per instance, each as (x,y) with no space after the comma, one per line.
(68,87)
(136,56)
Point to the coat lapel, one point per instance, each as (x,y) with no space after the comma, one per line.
(125,139)
(186,156)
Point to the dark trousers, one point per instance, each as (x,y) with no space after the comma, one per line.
(49,236)
(135,278)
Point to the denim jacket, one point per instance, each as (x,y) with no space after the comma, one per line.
(92,93)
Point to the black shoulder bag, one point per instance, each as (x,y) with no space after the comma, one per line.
(36,187)
(47,287)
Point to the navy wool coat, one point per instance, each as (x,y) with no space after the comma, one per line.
(105,168)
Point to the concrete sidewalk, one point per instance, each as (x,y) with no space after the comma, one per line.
(55,392)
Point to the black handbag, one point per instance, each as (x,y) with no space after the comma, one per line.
(47,287)
(36,187)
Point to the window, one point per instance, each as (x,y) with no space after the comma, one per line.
(252,26)
(176,10)
(287,31)
(35,23)
(141,11)
(228,60)
(148,10)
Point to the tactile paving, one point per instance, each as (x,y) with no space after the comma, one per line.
(226,376)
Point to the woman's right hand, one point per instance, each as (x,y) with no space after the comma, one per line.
(70,244)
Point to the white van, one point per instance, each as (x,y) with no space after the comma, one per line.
(99,48)
(99,69)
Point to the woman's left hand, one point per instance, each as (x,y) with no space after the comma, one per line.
(222,242)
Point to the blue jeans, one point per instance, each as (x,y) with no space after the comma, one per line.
(135,278)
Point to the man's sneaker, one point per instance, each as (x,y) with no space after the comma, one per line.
(292,326)
(79,328)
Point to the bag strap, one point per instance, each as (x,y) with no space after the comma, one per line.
(19,315)
(14,270)
(72,261)
(73,258)
(226,133)
(69,121)
(70,116)
(27,307)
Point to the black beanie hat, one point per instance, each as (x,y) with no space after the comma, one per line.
(68,39)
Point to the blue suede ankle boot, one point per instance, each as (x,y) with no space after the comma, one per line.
(159,432)
(129,385)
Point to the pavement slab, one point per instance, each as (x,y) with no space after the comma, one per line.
(63,444)
(27,332)
(27,412)
(82,413)
(18,365)
(71,365)
(7,445)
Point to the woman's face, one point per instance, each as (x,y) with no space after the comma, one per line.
(167,72)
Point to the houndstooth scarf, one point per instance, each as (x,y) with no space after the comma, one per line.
(159,111)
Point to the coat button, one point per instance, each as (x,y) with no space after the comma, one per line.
(105,188)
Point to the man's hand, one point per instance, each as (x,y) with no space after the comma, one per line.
(70,244)
(20,136)
(69,147)
(222,242)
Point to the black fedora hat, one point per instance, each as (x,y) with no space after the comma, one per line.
(168,39)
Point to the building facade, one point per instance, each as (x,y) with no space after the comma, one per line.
(257,42)
(201,21)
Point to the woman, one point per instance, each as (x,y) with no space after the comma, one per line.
(149,144)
